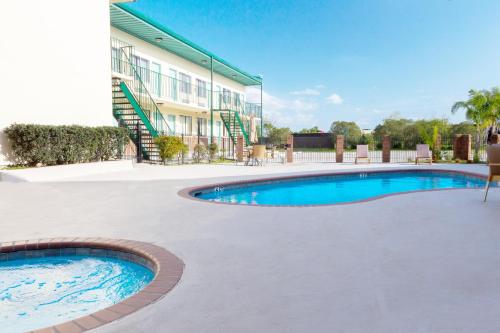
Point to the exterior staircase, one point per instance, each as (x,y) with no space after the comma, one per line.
(235,126)
(136,123)
(136,110)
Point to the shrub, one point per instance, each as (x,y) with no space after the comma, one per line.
(199,153)
(212,151)
(52,145)
(170,147)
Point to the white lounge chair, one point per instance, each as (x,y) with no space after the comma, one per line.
(423,153)
(493,153)
(361,153)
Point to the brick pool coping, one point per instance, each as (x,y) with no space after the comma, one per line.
(188,192)
(167,267)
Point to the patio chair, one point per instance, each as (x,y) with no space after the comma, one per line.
(361,153)
(423,153)
(493,153)
(259,154)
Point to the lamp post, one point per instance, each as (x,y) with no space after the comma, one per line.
(261,114)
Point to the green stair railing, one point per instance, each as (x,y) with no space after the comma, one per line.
(131,132)
(231,114)
(142,102)
(235,125)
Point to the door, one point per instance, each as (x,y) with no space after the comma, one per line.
(156,79)
(171,123)
(218,97)
(218,132)
(173,84)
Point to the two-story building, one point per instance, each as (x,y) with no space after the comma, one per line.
(103,63)
(166,84)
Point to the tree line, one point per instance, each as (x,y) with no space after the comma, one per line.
(404,133)
(482,111)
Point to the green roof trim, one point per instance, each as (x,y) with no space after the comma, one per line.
(137,24)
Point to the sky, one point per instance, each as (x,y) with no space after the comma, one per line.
(352,60)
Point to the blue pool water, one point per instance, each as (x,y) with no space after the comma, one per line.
(40,292)
(334,189)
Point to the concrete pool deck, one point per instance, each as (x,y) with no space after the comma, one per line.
(420,262)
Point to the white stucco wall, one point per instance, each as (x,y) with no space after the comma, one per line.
(55,63)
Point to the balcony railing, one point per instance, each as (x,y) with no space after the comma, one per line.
(166,88)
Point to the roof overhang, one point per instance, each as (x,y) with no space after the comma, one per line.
(142,27)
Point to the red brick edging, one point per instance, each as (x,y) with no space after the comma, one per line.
(167,267)
(187,192)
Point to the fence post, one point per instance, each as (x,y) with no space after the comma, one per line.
(239,149)
(462,147)
(386,149)
(289,149)
(339,149)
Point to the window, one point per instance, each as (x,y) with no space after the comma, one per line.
(116,63)
(171,123)
(201,88)
(226,96)
(236,98)
(186,125)
(202,127)
(185,83)
(142,68)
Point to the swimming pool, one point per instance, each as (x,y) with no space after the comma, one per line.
(335,188)
(40,292)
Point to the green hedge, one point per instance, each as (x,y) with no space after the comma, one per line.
(51,145)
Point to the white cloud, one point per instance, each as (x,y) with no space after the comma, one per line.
(305,92)
(296,113)
(302,105)
(334,99)
(320,86)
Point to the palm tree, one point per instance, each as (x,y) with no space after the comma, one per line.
(482,108)
(494,100)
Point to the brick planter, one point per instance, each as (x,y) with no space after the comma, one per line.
(339,149)
(289,149)
(386,149)
(462,147)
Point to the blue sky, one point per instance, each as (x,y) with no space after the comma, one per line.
(348,60)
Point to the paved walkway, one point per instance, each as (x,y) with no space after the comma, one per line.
(421,262)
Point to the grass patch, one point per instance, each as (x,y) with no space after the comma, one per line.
(14,167)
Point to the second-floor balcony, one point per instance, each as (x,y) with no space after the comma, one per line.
(164,88)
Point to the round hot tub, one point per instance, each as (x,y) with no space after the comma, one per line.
(80,284)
